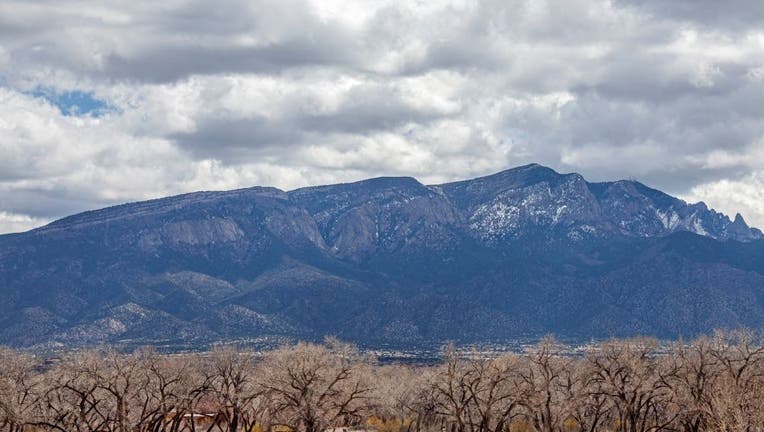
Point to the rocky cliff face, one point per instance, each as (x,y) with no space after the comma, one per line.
(523,252)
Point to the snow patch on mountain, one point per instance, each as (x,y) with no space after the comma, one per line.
(669,218)
(697,228)
(495,219)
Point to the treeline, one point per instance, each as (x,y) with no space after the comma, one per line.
(712,384)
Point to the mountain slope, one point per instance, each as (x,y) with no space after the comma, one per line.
(389,260)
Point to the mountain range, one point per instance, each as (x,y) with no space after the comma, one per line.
(389,261)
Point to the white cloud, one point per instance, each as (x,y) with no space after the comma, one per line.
(13,223)
(744,196)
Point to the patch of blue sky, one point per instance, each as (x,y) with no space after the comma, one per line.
(74,102)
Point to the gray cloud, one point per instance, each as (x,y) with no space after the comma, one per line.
(297,92)
(171,63)
(231,139)
(732,15)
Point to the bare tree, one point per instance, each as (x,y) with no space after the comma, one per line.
(476,395)
(452,397)
(542,378)
(586,406)
(692,373)
(493,388)
(737,399)
(20,386)
(312,387)
(399,396)
(174,386)
(231,378)
(626,373)
(74,399)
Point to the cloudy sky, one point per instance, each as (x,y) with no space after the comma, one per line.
(102,105)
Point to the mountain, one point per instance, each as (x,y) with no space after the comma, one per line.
(389,260)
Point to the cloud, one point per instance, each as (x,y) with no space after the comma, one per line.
(185,95)
(255,117)
(12,223)
(745,196)
(731,15)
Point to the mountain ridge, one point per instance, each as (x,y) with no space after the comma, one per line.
(389,260)
(542,173)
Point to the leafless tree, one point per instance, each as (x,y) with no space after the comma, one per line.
(231,380)
(475,395)
(312,387)
(400,396)
(692,374)
(493,388)
(626,373)
(738,396)
(20,387)
(588,409)
(543,383)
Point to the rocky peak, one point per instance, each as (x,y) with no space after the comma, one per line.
(478,191)
(370,216)
(532,197)
(740,230)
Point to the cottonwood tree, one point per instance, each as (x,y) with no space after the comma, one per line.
(424,403)
(542,379)
(74,400)
(121,378)
(626,373)
(476,395)
(452,398)
(312,388)
(587,407)
(738,397)
(20,386)
(174,386)
(398,398)
(108,391)
(231,381)
(493,386)
(693,374)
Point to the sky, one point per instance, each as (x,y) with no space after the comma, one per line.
(101,105)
